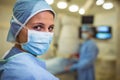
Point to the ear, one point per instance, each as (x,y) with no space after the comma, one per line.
(22,36)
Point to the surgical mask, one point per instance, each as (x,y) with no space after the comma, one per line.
(85,36)
(38,42)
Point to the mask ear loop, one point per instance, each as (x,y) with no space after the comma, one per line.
(27,37)
(18,22)
(22,26)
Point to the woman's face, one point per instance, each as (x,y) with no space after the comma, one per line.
(43,22)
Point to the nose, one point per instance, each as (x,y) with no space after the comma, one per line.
(46,29)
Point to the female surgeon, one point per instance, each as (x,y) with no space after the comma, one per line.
(31,31)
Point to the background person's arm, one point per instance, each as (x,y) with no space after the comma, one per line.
(90,57)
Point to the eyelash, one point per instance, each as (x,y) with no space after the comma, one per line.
(51,28)
(39,28)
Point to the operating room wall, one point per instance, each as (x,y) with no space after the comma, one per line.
(5,14)
(69,41)
(107,48)
(106,62)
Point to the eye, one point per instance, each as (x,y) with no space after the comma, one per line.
(38,28)
(51,28)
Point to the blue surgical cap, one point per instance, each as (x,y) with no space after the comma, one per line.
(23,11)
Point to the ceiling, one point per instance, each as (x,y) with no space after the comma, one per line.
(91,4)
(93,9)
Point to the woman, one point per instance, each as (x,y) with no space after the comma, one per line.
(31,31)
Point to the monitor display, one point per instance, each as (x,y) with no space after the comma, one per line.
(103,36)
(100,32)
(87,19)
(103,32)
(103,29)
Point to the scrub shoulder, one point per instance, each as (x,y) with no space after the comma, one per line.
(25,67)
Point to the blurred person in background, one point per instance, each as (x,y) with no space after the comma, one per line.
(88,54)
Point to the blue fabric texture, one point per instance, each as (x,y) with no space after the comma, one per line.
(85,65)
(23,11)
(24,66)
(13,52)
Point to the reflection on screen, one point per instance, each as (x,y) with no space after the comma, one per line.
(103,35)
(103,29)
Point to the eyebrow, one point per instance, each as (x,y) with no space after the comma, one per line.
(43,24)
(52,25)
(40,23)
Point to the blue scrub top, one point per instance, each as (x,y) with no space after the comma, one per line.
(85,65)
(20,65)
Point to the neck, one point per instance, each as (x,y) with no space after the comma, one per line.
(90,37)
(19,47)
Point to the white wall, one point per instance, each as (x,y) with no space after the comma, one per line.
(4,46)
(68,40)
(5,14)
(107,47)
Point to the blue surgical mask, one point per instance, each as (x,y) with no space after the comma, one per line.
(38,42)
(85,36)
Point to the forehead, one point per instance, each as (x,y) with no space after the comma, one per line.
(45,16)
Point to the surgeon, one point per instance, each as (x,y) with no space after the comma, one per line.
(31,32)
(88,55)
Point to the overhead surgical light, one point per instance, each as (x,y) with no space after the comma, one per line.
(62,5)
(50,2)
(99,2)
(107,5)
(82,11)
(73,8)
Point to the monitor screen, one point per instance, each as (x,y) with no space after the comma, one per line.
(100,32)
(87,19)
(103,32)
(103,35)
(103,29)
